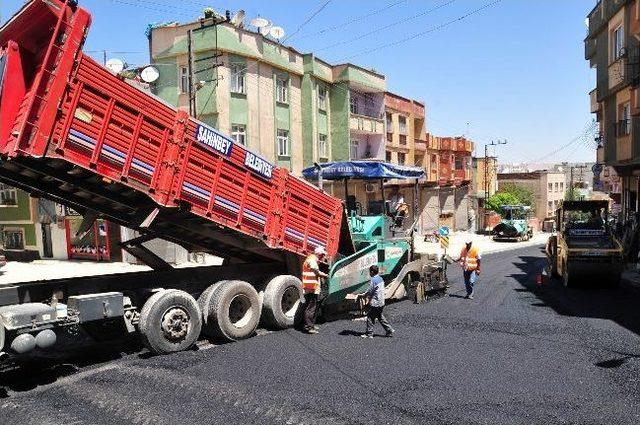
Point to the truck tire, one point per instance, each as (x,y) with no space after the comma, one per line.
(281,299)
(234,311)
(170,321)
(204,301)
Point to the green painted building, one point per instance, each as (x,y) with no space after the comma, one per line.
(18,213)
(293,108)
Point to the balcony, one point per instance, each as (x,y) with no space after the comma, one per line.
(446,144)
(617,72)
(593,98)
(596,20)
(623,149)
(363,124)
(589,48)
(421,145)
(463,175)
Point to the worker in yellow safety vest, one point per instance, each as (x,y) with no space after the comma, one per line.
(311,276)
(470,262)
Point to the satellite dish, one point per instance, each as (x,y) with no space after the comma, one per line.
(115,65)
(149,74)
(266,29)
(260,22)
(276,32)
(238,19)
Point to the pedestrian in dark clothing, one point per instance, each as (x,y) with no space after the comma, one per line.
(376,304)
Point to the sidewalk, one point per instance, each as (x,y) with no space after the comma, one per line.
(486,244)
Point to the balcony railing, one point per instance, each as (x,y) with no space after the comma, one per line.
(593,97)
(596,19)
(366,124)
(421,145)
(589,48)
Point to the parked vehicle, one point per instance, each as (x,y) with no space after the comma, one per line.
(73,132)
(585,247)
(514,224)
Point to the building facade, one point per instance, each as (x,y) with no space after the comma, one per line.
(293,108)
(612,47)
(548,188)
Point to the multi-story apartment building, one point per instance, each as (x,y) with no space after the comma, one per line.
(406,130)
(293,108)
(612,47)
(548,188)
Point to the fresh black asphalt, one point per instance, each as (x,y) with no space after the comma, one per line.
(519,353)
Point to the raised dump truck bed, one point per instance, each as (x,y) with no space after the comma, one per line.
(72,131)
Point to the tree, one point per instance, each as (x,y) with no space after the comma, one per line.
(524,195)
(511,194)
(499,199)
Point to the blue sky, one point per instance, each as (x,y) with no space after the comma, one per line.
(514,71)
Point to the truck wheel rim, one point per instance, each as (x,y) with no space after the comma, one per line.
(240,312)
(175,323)
(290,300)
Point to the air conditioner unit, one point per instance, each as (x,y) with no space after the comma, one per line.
(369,188)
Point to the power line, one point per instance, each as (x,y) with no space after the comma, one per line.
(423,33)
(393,24)
(313,15)
(352,20)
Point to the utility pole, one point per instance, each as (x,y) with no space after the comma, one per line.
(192,88)
(489,175)
(581,168)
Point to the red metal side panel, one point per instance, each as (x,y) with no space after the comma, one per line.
(311,218)
(110,127)
(218,184)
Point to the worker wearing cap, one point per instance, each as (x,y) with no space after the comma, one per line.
(470,262)
(311,276)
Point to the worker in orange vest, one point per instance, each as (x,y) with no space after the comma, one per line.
(311,276)
(470,262)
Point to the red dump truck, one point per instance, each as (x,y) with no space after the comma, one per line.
(75,133)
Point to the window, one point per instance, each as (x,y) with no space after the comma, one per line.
(389,137)
(549,207)
(402,124)
(402,158)
(184,79)
(353,104)
(323,152)
(239,134)
(8,196)
(624,125)
(550,187)
(402,138)
(354,149)
(13,238)
(459,164)
(556,187)
(561,187)
(282,89)
(322,98)
(283,142)
(618,42)
(238,78)
(389,123)
(388,156)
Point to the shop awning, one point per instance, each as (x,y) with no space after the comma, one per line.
(363,170)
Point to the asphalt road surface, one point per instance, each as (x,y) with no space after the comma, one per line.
(517,354)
